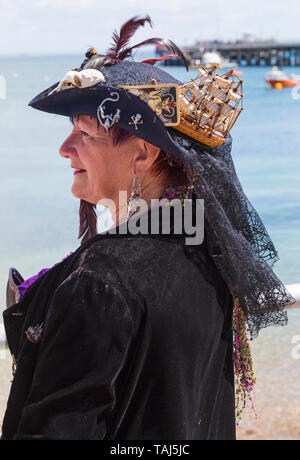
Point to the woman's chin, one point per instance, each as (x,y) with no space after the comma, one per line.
(78,192)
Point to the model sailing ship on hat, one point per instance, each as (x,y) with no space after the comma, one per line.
(190,121)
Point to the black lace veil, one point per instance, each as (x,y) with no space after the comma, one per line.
(237,239)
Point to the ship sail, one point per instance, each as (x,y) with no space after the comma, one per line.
(204,76)
(205,119)
(226,125)
(235,96)
(186,105)
(226,110)
(197,91)
(194,89)
(223,82)
(218,93)
(212,107)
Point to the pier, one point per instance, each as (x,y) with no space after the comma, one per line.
(243,53)
(265,54)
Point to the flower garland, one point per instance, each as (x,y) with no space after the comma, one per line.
(245,379)
(181,192)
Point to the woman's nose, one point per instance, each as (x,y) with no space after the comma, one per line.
(68,148)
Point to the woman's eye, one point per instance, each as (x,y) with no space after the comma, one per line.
(84,134)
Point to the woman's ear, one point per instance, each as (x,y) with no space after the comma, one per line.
(145,157)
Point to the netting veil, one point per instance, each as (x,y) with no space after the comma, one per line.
(237,239)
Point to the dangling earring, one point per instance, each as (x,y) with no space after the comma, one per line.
(133,204)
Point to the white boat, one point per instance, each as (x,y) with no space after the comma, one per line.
(211,59)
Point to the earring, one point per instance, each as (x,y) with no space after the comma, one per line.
(133,204)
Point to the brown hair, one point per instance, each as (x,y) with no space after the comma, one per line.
(170,172)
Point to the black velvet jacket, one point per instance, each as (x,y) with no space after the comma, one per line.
(136,345)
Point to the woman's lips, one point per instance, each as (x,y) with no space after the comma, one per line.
(79,171)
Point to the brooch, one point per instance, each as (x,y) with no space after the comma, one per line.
(107,121)
(34,333)
(163,100)
(136,120)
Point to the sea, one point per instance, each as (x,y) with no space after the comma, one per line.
(39,215)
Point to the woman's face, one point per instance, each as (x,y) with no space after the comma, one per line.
(100,169)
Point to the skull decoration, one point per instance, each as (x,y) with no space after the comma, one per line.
(81,79)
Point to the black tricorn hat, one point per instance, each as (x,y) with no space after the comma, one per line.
(112,104)
(104,86)
(145,100)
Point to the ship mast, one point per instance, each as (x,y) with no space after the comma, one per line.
(210,107)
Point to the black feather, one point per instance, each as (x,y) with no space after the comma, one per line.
(127,52)
(126,32)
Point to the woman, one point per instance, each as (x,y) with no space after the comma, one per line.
(130,337)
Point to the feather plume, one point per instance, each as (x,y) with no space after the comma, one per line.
(120,50)
(127,52)
(126,32)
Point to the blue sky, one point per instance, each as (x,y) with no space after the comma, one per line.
(70,26)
